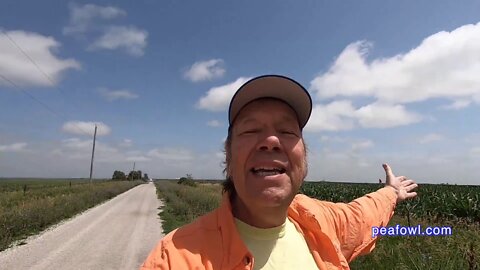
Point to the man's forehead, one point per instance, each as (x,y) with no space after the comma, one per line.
(252,119)
(267,105)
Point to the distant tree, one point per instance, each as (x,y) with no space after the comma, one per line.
(135,175)
(119,175)
(145,177)
(187,181)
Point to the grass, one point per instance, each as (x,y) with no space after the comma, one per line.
(30,206)
(461,250)
(184,203)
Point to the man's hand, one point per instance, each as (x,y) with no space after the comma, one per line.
(402,185)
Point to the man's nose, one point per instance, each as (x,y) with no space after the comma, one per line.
(270,143)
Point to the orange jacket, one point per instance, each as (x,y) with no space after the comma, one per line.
(336,233)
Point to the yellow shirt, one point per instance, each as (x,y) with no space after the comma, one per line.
(281,247)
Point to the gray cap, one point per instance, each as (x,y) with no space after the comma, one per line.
(273,86)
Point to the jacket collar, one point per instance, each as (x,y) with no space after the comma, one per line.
(235,249)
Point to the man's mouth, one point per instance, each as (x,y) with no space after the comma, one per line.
(267,171)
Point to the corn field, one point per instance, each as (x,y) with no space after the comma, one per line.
(434,202)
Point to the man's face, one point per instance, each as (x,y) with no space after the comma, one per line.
(268,155)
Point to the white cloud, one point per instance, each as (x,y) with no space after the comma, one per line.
(112,95)
(432,137)
(378,115)
(76,143)
(92,20)
(342,115)
(15,66)
(325,138)
(444,65)
(138,158)
(171,154)
(220,155)
(86,128)
(472,138)
(361,145)
(218,98)
(331,117)
(78,149)
(457,105)
(205,70)
(439,160)
(15,147)
(128,38)
(82,17)
(475,151)
(363,163)
(214,123)
(126,143)
(335,139)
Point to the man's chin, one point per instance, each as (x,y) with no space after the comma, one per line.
(273,197)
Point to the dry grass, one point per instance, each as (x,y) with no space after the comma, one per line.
(24,212)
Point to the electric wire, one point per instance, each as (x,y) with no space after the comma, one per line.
(45,75)
(42,103)
(49,78)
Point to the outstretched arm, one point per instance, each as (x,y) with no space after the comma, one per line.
(354,221)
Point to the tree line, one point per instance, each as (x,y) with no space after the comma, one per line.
(132,175)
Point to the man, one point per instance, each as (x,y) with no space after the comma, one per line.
(262,223)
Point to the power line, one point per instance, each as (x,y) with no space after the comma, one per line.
(44,74)
(41,103)
(29,58)
(48,77)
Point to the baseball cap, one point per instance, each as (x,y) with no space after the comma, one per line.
(273,86)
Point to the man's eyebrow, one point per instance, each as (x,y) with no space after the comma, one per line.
(285,119)
(288,118)
(247,120)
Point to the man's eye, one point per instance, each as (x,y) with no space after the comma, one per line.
(250,131)
(288,132)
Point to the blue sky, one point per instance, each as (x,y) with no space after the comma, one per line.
(392,81)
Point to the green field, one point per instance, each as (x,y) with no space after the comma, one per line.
(436,205)
(28,206)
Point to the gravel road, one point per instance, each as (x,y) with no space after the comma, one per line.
(117,234)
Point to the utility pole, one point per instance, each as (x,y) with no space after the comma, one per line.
(133,171)
(93,153)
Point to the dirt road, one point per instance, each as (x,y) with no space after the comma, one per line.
(118,234)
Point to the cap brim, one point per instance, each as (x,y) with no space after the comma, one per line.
(273,86)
